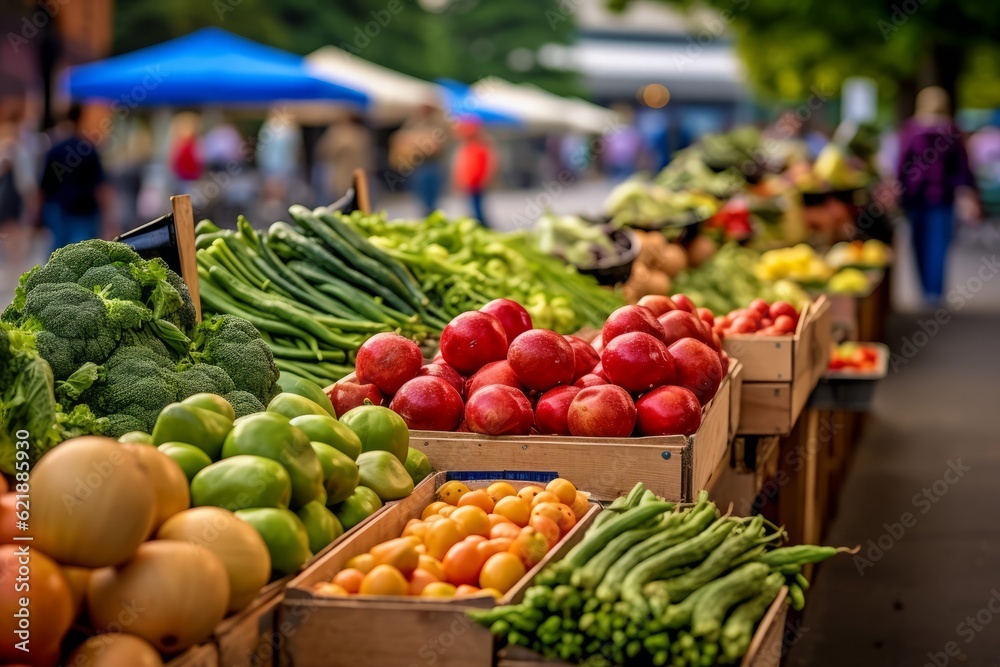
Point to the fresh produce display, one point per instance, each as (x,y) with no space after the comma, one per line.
(637,203)
(582,243)
(856,357)
(732,278)
(98,341)
(468,542)
(775,319)
(652,583)
(461,265)
(542,382)
(870,254)
(837,273)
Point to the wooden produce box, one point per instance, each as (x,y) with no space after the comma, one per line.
(675,467)
(392,631)
(780,372)
(765,650)
(204,655)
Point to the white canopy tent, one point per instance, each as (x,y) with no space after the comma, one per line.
(541,110)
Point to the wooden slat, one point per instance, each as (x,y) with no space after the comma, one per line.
(766,647)
(766,408)
(184,228)
(361,191)
(710,445)
(735,396)
(205,655)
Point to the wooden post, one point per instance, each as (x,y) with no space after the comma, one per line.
(184,229)
(361,191)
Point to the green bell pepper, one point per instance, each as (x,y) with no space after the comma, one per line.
(293,384)
(272,436)
(322,526)
(241,482)
(213,403)
(205,429)
(379,429)
(284,535)
(340,473)
(293,405)
(188,457)
(323,428)
(359,506)
(417,465)
(385,475)
(138,438)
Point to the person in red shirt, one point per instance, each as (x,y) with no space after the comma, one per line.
(475,162)
(185,153)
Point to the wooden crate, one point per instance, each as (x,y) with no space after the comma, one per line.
(735,396)
(765,649)
(780,372)
(205,655)
(675,467)
(392,631)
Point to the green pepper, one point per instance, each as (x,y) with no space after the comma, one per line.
(379,429)
(417,465)
(213,403)
(137,438)
(188,457)
(322,525)
(272,436)
(293,384)
(284,535)
(293,405)
(359,506)
(340,473)
(206,430)
(240,482)
(326,429)
(385,475)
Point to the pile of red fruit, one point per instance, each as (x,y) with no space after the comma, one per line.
(760,317)
(649,372)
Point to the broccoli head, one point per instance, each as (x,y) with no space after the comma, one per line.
(69,263)
(203,379)
(115,280)
(137,382)
(244,403)
(234,345)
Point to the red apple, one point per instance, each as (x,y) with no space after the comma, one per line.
(472,340)
(598,343)
(542,359)
(445,372)
(743,325)
(349,395)
(552,409)
(697,367)
(760,307)
(783,324)
(707,316)
(658,303)
(599,372)
(495,372)
(605,411)
(683,302)
(779,308)
(628,319)
(428,404)
(638,362)
(388,360)
(668,411)
(585,357)
(497,409)
(512,315)
(679,324)
(589,380)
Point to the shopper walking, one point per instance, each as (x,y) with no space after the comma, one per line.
(185,153)
(345,146)
(74,190)
(933,170)
(475,162)
(416,153)
(17,194)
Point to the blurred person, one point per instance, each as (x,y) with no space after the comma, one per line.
(984,150)
(130,150)
(417,151)
(934,174)
(17,192)
(475,164)
(75,196)
(186,162)
(279,150)
(623,152)
(345,146)
(222,148)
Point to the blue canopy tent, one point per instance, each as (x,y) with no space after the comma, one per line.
(207,67)
(463,103)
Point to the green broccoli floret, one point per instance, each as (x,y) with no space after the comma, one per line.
(138,383)
(115,280)
(235,345)
(244,403)
(69,263)
(203,379)
(118,425)
(184,318)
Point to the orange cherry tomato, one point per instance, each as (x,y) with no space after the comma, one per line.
(442,535)
(529,492)
(349,579)
(499,518)
(516,509)
(467,591)
(474,519)
(550,510)
(544,497)
(580,506)
(432,565)
(462,563)
(416,528)
(438,589)
(547,527)
(501,571)
(477,498)
(498,490)
(326,589)
(384,580)
(564,489)
(490,547)
(504,530)
(419,580)
(530,547)
(433,508)
(363,562)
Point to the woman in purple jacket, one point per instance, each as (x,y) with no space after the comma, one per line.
(933,170)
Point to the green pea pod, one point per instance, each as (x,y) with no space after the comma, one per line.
(326,429)
(206,430)
(272,436)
